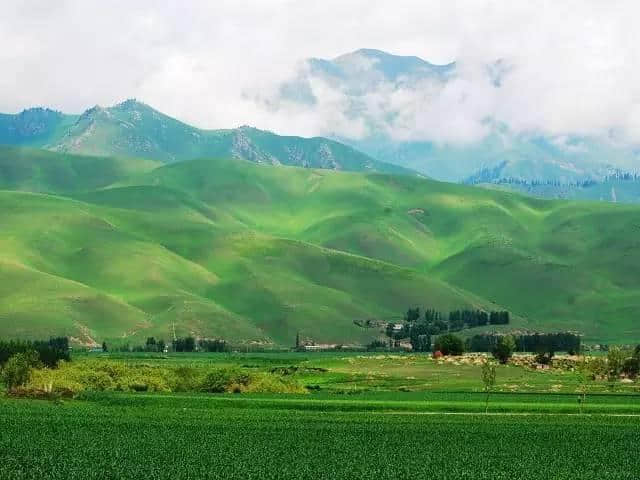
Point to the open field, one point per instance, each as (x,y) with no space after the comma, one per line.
(179,437)
(406,375)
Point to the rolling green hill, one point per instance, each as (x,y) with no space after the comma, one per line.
(251,252)
(34,170)
(133,129)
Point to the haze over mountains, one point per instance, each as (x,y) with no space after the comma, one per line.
(433,119)
(394,111)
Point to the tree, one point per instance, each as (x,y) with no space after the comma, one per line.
(17,371)
(187,344)
(104,347)
(151,344)
(615,364)
(504,348)
(449,344)
(412,314)
(583,373)
(489,380)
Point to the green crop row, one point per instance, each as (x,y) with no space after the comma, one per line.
(183,437)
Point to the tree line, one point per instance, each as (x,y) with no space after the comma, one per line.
(49,352)
(420,327)
(530,342)
(189,344)
(457,319)
(181,344)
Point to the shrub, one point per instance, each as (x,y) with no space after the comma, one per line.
(377,345)
(615,363)
(224,380)
(544,358)
(185,379)
(17,371)
(503,350)
(139,387)
(631,367)
(449,344)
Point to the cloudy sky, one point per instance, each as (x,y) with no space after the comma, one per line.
(574,66)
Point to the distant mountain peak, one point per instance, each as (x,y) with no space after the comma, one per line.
(364,61)
(91,112)
(130,104)
(39,110)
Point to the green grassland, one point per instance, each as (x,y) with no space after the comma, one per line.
(358,373)
(204,437)
(246,252)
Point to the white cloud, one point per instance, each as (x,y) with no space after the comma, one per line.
(574,66)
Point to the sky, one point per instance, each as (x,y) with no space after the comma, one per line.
(573,66)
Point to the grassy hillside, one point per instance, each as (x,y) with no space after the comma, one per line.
(250,252)
(35,170)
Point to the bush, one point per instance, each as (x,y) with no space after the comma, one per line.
(615,363)
(631,367)
(449,344)
(544,358)
(503,350)
(111,376)
(224,380)
(185,379)
(377,345)
(17,371)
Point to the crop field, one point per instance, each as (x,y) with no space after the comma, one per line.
(355,416)
(180,437)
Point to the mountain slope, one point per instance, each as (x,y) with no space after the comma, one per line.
(98,272)
(34,127)
(35,170)
(251,252)
(134,129)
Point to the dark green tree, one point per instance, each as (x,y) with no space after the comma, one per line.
(449,344)
(151,345)
(504,348)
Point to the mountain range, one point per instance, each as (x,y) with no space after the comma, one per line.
(134,129)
